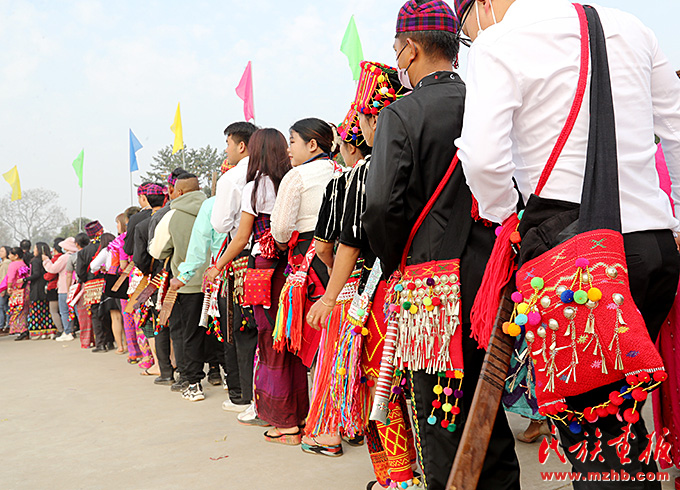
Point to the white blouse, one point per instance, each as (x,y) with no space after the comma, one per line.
(299,199)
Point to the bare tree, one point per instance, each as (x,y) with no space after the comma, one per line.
(36,216)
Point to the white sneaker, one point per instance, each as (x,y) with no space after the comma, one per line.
(230,406)
(249,414)
(194,393)
(43,336)
(65,337)
(52,336)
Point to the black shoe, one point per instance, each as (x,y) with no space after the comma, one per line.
(180,386)
(22,336)
(163,381)
(100,348)
(110,346)
(214,376)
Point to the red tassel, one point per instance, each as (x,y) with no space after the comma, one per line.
(475,213)
(498,272)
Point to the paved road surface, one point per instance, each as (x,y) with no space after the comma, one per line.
(71,419)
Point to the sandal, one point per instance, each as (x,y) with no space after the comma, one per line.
(147,373)
(332,451)
(287,439)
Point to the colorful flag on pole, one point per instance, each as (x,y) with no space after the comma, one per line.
(135,146)
(245,91)
(78,167)
(351,47)
(177,129)
(12,178)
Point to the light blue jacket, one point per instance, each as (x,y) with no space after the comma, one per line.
(204,242)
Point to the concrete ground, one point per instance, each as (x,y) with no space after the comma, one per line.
(71,419)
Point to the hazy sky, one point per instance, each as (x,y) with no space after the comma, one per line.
(78,74)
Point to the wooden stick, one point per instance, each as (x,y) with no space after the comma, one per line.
(467,467)
(166,309)
(122,277)
(140,287)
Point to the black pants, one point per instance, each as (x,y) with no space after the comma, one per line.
(101,325)
(177,333)
(439,446)
(189,307)
(162,340)
(653,268)
(239,357)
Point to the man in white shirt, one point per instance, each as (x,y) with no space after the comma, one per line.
(523,71)
(225,218)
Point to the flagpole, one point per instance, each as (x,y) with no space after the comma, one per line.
(131,194)
(80,217)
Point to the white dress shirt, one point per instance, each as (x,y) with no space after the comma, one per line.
(521,82)
(226,213)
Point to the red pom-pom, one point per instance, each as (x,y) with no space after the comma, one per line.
(515,237)
(631,416)
(378,97)
(631,379)
(445,424)
(391,405)
(644,377)
(391,91)
(615,398)
(601,412)
(612,409)
(437,404)
(374,111)
(639,394)
(561,406)
(455,410)
(411,286)
(590,415)
(436,301)
(660,376)
(378,72)
(370,383)
(386,103)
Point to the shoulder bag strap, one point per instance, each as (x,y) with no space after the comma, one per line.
(426,210)
(576,106)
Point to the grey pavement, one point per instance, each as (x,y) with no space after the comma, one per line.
(71,419)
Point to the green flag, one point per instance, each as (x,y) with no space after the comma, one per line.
(351,47)
(78,167)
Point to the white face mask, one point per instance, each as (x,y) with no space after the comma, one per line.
(493,15)
(404,78)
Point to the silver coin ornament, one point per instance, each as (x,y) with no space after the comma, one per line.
(569,312)
(618,298)
(530,337)
(591,304)
(540,331)
(612,273)
(560,290)
(553,324)
(545,302)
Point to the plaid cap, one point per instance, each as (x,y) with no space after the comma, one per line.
(460,6)
(435,15)
(151,189)
(349,129)
(378,87)
(94,228)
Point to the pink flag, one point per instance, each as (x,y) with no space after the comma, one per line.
(245,91)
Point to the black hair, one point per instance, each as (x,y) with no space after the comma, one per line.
(186,176)
(363,148)
(131,211)
(106,239)
(25,245)
(82,240)
(315,129)
(17,251)
(43,249)
(177,172)
(56,246)
(436,44)
(240,131)
(268,156)
(7,249)
(156,200)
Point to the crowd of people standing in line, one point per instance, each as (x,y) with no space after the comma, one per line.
(298,264)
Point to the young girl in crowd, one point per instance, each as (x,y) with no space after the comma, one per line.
(294,218)
(53,285)
(40,323)
(18,294)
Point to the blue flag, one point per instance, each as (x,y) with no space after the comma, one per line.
(135,146)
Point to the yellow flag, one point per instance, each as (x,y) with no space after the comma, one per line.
(12,178)
(177,129)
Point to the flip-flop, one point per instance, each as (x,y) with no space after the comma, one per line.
(287,439)
(147,373)
(332,451)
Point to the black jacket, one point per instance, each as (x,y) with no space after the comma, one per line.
(83,261)
(37,280)
(412,150)
(135,219)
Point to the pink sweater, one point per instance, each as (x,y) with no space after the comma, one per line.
(59,267)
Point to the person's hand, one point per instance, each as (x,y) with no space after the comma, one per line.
(211,274)
(45,257)
(677,240)
(319,313)
(175,284)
